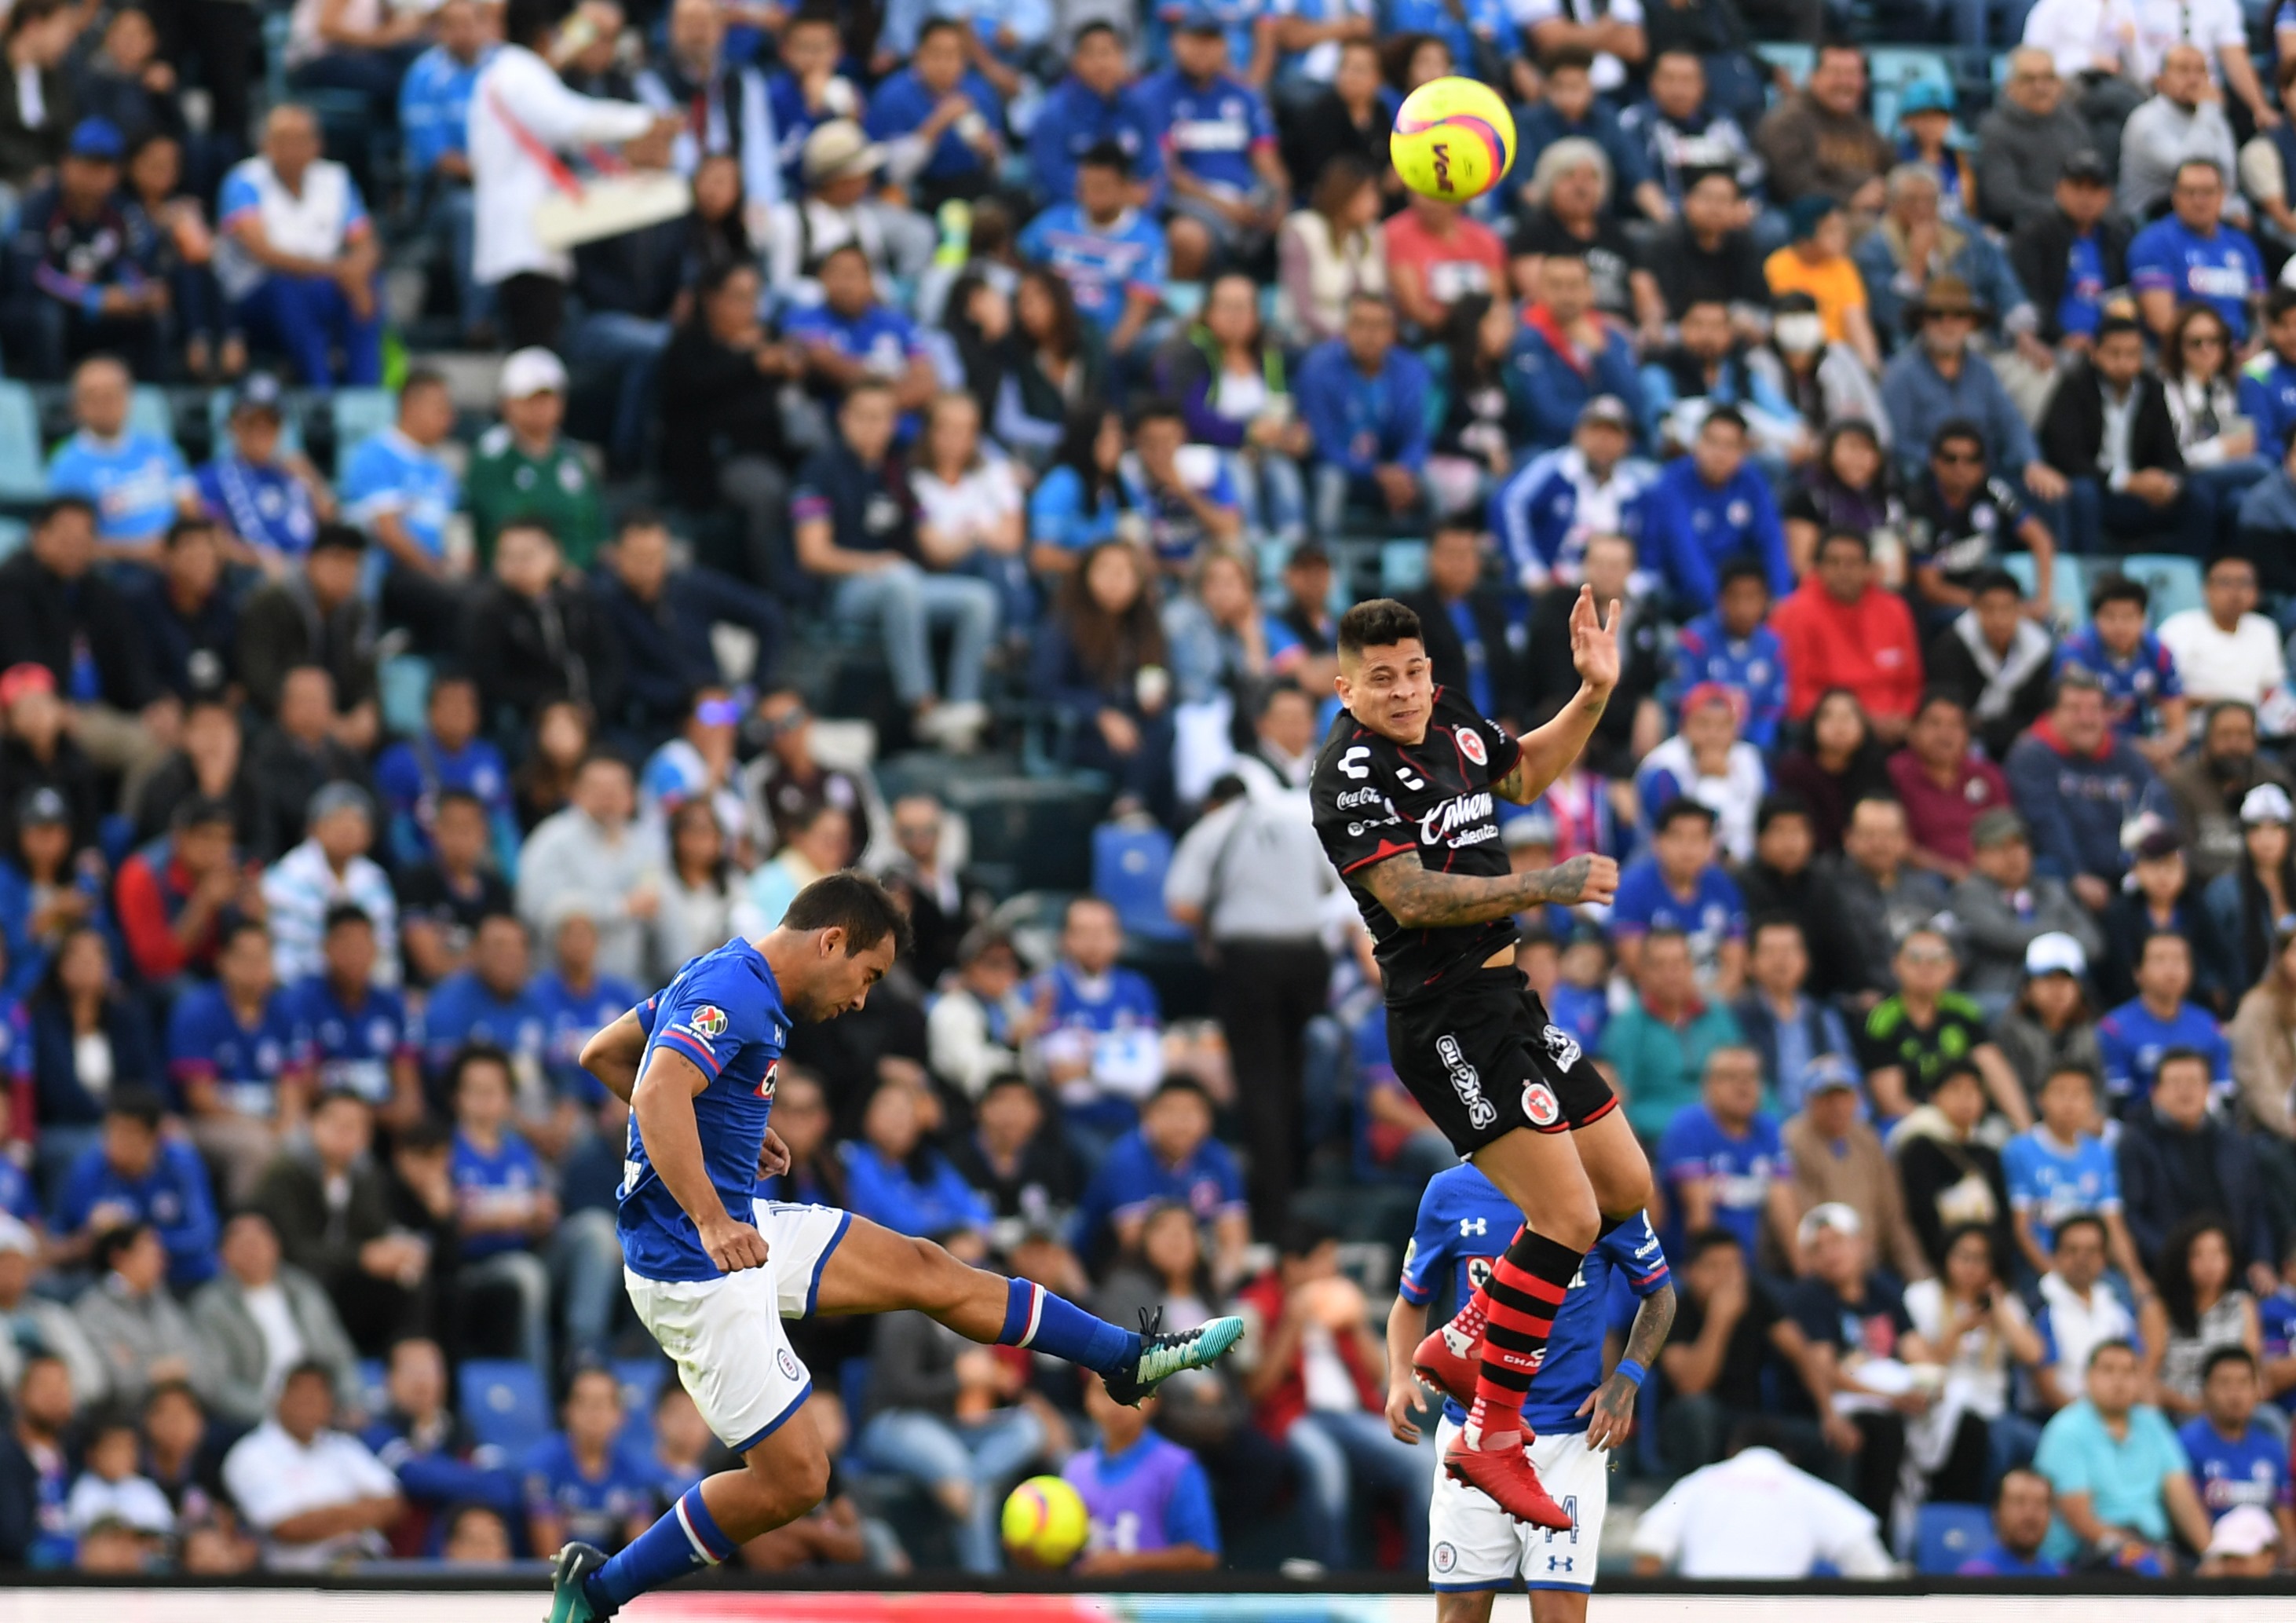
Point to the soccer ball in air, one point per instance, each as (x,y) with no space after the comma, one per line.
(1454,139)
(1045,1523)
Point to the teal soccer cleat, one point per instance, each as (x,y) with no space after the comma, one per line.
(1163,1355)
(568,1602)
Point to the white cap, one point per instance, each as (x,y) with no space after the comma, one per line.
(16,1235)
(2055,953)
(2245,1530)
(533,371)
(1843,1219)
(2266,803)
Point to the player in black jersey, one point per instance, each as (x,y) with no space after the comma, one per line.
(1404,790)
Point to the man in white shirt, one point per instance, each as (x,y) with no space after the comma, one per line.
(1613,32)
(1755,1516)
(522,118)
(2080,1312)
(2227,650)
(2183,122)
(2216,28)
(298,255)
(315,1495)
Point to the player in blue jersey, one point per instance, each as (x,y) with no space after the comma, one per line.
(697,1063)
(1475,1549)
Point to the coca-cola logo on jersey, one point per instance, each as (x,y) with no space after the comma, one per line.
(1453,822)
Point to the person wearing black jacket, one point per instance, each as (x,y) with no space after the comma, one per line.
(57,610)
(2041,251)
(2126,483)
(1996,661)
(314,616)
(1466,624)
(536,638)
(1625,734)
(721,419)
(660,619)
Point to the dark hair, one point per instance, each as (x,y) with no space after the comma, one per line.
(2001,1488)
(1957,428)
(28,12)
(2277,303)
(853,902)
(196,524)
(2068,1068)
(1154,409)
(1960,1069)
(2119,588)
(1343,177)
(1664,932)
(457,797)
(309,1369)
(2082,1220)
(161,1391)
(1933,697)
(423,377)
(2172,1274)
(1858,538)
(1378,622)
(1711,1239)
(1112,646)
(1781,803)
(1567,56)
(2113,326)
(2113,1344)
(114,1241)
(1304,1234)
(1065,337)
(45,513)
(1745,566)
(1461,338)
(135,1101)
(526,21)
(2172,342)
(1996,580)
(50,991)
(940,25)
(339,538)
(1180,1082)
(2226,1355)
(1960,1232)
(1729,416)
(473,1053)
(1682,808)
(1774,921)
(340,913)
(1106,155)
(1098,25)
(1079,441)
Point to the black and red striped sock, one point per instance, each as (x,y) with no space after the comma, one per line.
(1527,1285)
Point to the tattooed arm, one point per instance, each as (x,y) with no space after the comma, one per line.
(1419,898)
(1612,1403)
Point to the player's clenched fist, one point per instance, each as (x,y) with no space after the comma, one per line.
(1585,879)
(733,1246)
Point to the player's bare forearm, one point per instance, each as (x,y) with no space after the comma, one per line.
(1612,1404)
(1547,751)
(1419,898)
(613,1055)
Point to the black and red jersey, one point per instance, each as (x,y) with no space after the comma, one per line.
(1376,800)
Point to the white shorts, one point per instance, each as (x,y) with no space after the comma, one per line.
(725,1334)
(1471,1544)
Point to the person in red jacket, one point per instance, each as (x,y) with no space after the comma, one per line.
(173,893)
(1839,629)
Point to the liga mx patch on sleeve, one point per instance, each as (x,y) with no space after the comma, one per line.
(698,1032)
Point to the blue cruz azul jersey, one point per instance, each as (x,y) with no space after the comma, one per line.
(1465,1223)
(723,1013)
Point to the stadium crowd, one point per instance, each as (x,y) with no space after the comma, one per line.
(1026,392)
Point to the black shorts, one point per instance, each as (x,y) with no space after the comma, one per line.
(1483,1059)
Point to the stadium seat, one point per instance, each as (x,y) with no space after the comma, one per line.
(1128,866)
(359,412)
(403,684)
(149,412)
(1948,1535)
(1402,567)
(373,1375)
(1796,58)
(2067,587)
(502,1403)
(2173,581)
(23,468)
(641,1380)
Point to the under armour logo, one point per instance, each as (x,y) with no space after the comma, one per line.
(1562,1563)
(1474,1226)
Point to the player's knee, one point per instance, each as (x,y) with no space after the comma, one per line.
(1626,1191)
(1463,1606)
(791,1487)
(1570,1218)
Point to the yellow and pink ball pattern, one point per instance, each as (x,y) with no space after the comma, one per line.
(1454,139)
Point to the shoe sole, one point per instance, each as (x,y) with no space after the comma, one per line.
(565,1597)
(1560,1522)
(1216,1341)
(1435,1383)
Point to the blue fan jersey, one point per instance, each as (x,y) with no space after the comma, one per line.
(724,1014)
(1465,1223)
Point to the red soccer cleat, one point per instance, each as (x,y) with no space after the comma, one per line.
(1447,1363)
(1511,1481)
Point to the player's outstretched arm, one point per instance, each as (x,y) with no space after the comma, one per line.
(1419,898)
(612,1054)
(1547,751)
(1611,1403)
(663,1103)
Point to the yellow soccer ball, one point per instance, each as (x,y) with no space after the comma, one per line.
(1045,1523)
(1454,139)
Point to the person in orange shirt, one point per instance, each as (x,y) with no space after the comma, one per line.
(1436,256)
(1839,629)
(1817,262)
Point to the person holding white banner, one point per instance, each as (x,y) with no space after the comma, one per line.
(522,118)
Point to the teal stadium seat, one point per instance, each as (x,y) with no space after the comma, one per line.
(1402,567)
(360,413)
(23,468)
(2173,581)
(149,412)
(1796,58)
(2067,587)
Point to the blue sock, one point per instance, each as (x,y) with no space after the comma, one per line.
(1034,1318)
(685,1537)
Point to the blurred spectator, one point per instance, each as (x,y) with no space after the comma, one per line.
(2129,481)
(2079,1309)
(821,841)
(2199,373)
(1170,1157)
(1945,789)
(434,101)
(1996,662)
(33,1467)
(38,111)
(2145,695)
(1549,512)
(87,1036)
(1464,622)
(2201,1310)
(2120,1477)
(1728,1337)
(299,255)
(720,102)
(1723,1161)
(504,1203)
(703,902)
(131,1174)
(262,1320)
(309,747)
(1632,724)
(2237,1459)
(1876,900)
(1090,107)
(1952,1179)
(2210,792)
(1020,1167)
(145,1337)
(416,775)
(2077,785)
(2175,1159)
(945,1413)
(722,436)
(174,893)
(2024,143)
(1792,1032)
(1683,135)
(1361,395)
(1943,379)
(977,1022)
(330,1210)
(330,869)
(662,616)
(1566,357)
(38,753)
(1707,761)
(81,275)
(237,1062)
(1314,1373)
(1710,506)
(266,495)
(490,1001)
(525,468)
(316,1495)
(1112,256)
(1815,264)
(1857,1337)
(1979,1329)
(594,857)
(1333,249)
(34,1326)
(2023,1503)
(189,616)
(535,633)
(1755,1515)
(1679,886)
(1842,630)
(2184,123)
(209,765)
(1730,645)
(1818,141)
(438,1462)
(1564,206)
(1661,1042)
(397,487)
(110,1497)
(1917,1036)
(315,615)
(1100,1038)
(1149,1502)
(1836,1159)
(896,1178)
(582,1482)
(1099,662)
(1781,879)
(942,904)
(2263,1039)
(2002,908)
(2137,1036)
(442,902)
(850,334)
